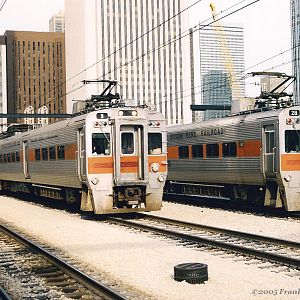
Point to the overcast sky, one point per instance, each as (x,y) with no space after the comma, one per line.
(266,26)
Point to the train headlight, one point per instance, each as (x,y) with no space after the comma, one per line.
(155,167)
(94,180)
(131,113)
(287,178)
(161,178)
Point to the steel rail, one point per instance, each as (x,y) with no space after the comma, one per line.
(84,279)
(4,295)
(230,232)
(272,257)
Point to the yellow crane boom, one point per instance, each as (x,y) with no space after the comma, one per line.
(228,62)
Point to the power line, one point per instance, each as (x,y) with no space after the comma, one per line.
(148,52)
(116,51)
(223,83)
(2,4)
(160,46)
(176,38)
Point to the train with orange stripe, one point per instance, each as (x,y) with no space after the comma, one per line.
(252,156)
(110,160)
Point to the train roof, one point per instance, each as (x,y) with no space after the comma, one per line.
(231,119)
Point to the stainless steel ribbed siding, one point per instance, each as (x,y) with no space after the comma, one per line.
(58,173)
(48,172)
(240,170)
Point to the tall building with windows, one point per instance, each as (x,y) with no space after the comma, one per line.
(295,19)
(3,99)
(57,22)
(216,90)
(35,72)
(118,40)
(219,51)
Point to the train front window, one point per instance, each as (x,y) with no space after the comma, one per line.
(292,141)
(127,143)
(154,143)
(101,144)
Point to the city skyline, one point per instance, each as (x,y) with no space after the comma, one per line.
(270,33)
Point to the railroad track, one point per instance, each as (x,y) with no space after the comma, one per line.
(277,252)
(28,271)
(225,204)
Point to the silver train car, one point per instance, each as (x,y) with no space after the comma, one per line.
(111,160)
(251,157)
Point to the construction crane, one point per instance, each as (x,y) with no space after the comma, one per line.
(228,62)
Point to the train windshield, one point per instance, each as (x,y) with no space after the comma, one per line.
(101,144)
(127,143)
(154,143)
(292,141)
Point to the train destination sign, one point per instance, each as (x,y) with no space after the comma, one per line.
(194,134)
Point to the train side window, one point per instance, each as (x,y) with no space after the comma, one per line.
(229,149)
(212,150)
(292,141)
(52,152)
(17,156)
(13,157)
(101,144)
(37,153)
(61,152)
(44,153)
(4,158)
(197,150)
(154,143)
(270,142)
(127,142)
(8,157)
(183,151)
(1,158)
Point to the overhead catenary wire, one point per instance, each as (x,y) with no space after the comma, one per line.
(223,83)
(181,36)
(116,51)
(170,41)
(161,46)
(2,4)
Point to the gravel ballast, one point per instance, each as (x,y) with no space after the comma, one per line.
(146,263)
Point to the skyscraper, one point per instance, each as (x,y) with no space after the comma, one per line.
(217,58)
(102,42)
(3,102)
(295,18)
(57,22)
(35,71)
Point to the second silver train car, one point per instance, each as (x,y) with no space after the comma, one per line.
(111,160)
(251,157)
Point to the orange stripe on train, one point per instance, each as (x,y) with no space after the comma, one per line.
(290,162)
(100,165)
(129,164)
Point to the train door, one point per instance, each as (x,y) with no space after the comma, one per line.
(131,163)
(25,159)
(81,156)
(269,155)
